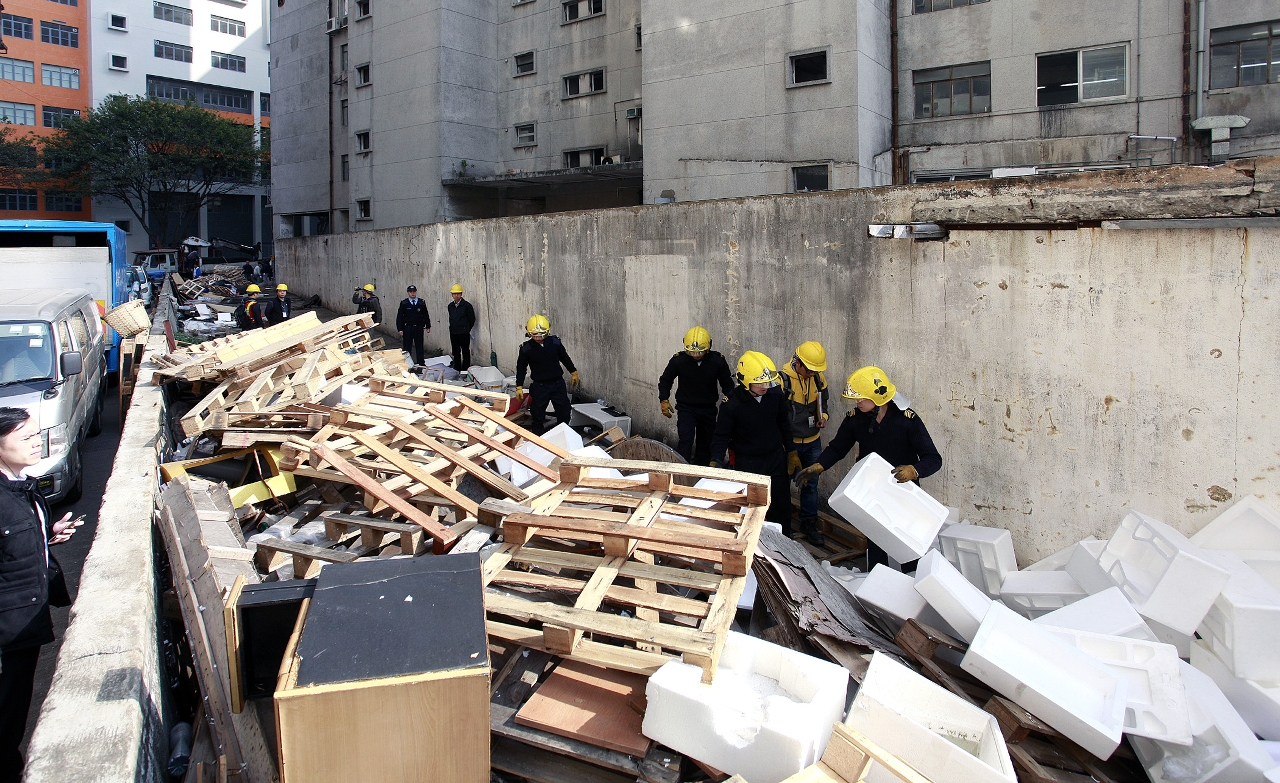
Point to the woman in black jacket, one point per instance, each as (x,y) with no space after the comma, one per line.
(28,575)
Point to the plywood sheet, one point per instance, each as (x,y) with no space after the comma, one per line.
(589,704)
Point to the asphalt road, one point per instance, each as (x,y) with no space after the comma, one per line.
(99,453)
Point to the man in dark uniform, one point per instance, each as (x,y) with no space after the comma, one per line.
(411,319)
(896,434)
(249,314)
(699,371)
(366,301)
(278,309)
(755,425)
(462,318)
(542,354)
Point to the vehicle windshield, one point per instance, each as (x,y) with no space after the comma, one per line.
(26,351)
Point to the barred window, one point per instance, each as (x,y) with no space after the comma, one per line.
(18,200)
(17,113)
(55,117)
(228,62)
(15,26)
(173,51)
(17,70)
(60,34)
(58,76)
(63,202)
(229,26)
(172,13)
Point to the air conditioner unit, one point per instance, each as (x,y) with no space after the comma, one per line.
(613,159)
(335,24)
(636,113)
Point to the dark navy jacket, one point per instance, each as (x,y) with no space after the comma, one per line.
(462,316)
(24,574)
(696,382)
(543,361)
(410,315)
(759,432)
(901,439)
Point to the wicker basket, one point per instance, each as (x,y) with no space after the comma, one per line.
(129,318)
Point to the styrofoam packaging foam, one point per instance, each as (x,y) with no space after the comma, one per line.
(1223,749)
(902,519)
(1035,593)
(1249,524)
(1168,578)
(1243,625)
(848,578)
(1107,612)
(1058,560)
(767,714)
(949,594)
(1257,702)
(890,596)
(1181,641)
(1062,686)
(1272,775)
(983,554)
(1157,702)
(943,737)
(1084,568)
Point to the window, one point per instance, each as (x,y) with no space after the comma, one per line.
(22,71)
(55,117)
(117,22)
(346,168)
(364,209)
(58,76)
(17,200)
(78,326)
(639,38)
(172,51)
(1089,74)
(363,9)
(526,135)
(59,34)
(363,143)
(524,63)
(15,26)
(119,62)
(124,225)
(167,90)
(587,83)
(925,6)
(72,3)
(810,67)
(948,92)
(582,9)
(172,13)
(344,59)
(344,112)
(228,99)
(1244,56)
(63,202)
(264,104)
(807,179)
(17,113)
(228,62)
(363,75)
(229,26)
(589,157)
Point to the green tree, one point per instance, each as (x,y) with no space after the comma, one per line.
(18,159)
(163,160)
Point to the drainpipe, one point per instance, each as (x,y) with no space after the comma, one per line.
(1137,76)
(1186,82)
(1201,51)
(899,170)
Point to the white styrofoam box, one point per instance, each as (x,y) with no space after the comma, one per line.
(1272,775)
(848,578)
(561,435)
(1257,702)
(1157,703)
(1243,625)
(1107,612)
(1062,686)
(902,519)
(1273,750)
(1265,561)
(1058,560)
(1181,641)
(1034,593)
(1084,568)
(767,714)
(487,377)
(1168,578)
(891,597)
(943,737)
(595,414)
(1249,524)
(983,554)
(1223,749)
(595,452)
(960,604)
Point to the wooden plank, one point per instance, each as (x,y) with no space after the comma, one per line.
(891,763)
(668,637)
(496,445)
(596,653)
(589,704)
(503,421)
(479,471)
(231,622)
(542,766)
(665,574)
(411,469)
(629,596)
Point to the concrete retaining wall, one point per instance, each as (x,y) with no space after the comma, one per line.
(1066,374)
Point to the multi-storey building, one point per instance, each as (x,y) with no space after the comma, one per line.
(44,78)
(430,110)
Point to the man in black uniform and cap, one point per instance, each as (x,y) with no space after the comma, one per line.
(698,371)
(542,354)
(411,319)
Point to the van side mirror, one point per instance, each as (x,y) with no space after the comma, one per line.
(71,363)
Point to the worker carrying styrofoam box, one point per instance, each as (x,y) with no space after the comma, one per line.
(902,519)
(1169,579)
(983,554)
(961,604)
(767,714)
(1033,593)
(943,737)
(1107,612)
(1257,702)
(1243,625)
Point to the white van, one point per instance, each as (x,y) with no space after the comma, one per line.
(53,364)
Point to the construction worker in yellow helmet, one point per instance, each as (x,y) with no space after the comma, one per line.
(248,315)
(753,432)
(366,301)
(700,374)
(462,319)
(804,383)
(895,432)
(278,309)
(542,354)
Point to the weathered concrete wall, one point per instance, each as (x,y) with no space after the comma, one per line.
(1067,375)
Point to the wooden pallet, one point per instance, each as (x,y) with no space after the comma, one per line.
(597,540)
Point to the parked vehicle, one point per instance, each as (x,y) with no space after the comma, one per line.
(53,364)
(139,285)
(159,262)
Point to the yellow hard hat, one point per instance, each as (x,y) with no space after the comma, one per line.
(755,367)
(369,287)
(253,289)
(537,324)
(282,287)
(869,383)
(457,289)
(697,340)
(813,356)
